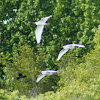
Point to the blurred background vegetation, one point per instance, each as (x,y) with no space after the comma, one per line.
(72,21)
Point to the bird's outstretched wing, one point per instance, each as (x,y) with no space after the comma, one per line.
(61,53)
(80,45)
(52,71)
(38,33)
(44,19)
(40,77)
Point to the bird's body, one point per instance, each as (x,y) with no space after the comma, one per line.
(40,26)
(20,76)
(40,23)
(68,47)
(45,73)
(48,72)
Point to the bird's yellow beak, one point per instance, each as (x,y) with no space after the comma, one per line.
(33,22)
(61,46)
(40,71)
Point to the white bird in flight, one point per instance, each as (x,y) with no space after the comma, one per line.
(40,26)
(68,47)
(46,73)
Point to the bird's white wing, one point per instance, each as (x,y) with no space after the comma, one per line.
(52,71)
(38,33)
(40,77)
(61,53)
(80,45)
(44,19)
(67,46)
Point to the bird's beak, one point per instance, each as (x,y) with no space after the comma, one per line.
(33,22)
(61,46)
(40,71)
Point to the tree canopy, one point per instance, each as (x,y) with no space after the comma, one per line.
(72,21)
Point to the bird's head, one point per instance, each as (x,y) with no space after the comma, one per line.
(40,71)
(20,74)
(33,22)
(61,46)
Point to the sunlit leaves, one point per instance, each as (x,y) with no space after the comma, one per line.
(73,21)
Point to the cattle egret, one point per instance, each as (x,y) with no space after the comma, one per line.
(68,47)
(46,73)
(40,26)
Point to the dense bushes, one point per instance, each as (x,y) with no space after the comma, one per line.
(73,21)
(79,81)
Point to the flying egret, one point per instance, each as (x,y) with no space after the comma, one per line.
(40,26)
(46,73)
(68,47)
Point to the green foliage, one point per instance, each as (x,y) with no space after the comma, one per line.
(97,37)
(78,81)
(27,62)
(73,21)
(5,95)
